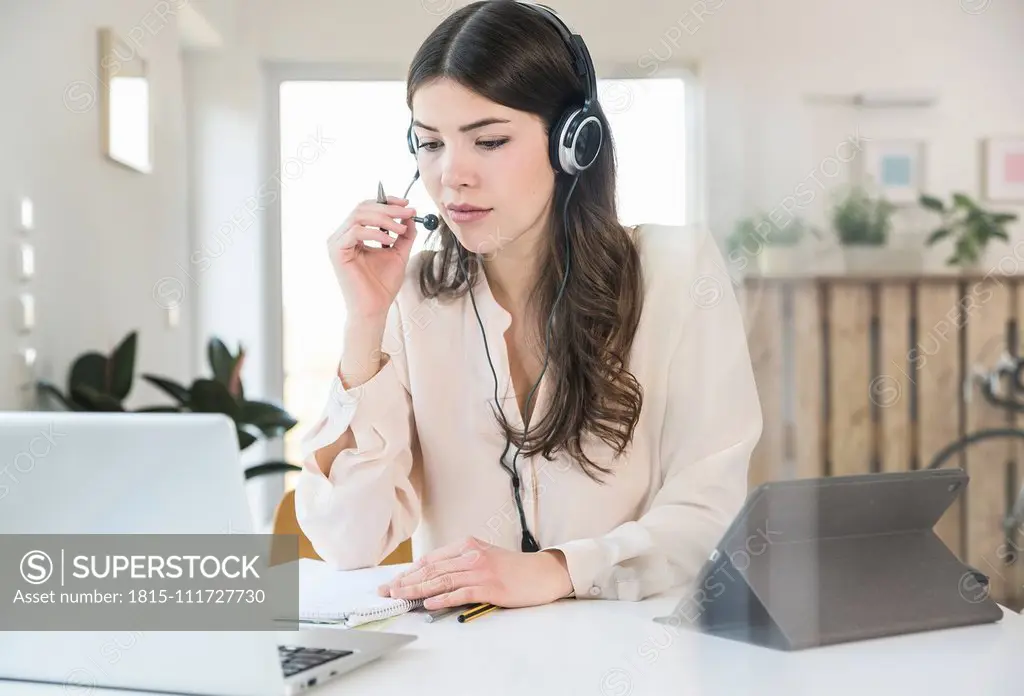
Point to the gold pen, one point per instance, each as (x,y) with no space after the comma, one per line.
(479,610)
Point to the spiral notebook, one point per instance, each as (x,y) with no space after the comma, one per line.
(348,597)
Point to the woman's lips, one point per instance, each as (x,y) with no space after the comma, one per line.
(464,216)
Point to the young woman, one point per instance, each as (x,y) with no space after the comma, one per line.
(621,350)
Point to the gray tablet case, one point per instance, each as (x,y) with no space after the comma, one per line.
(813,562)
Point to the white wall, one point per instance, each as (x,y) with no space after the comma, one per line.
(104,235)
(226,262)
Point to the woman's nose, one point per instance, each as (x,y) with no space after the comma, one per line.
(457,169)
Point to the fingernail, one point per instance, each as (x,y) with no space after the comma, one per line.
(383,590)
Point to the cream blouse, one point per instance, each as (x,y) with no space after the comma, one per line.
(425,462)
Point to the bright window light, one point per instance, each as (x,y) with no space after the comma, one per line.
(647,118)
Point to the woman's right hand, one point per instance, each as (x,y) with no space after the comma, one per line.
(370,278)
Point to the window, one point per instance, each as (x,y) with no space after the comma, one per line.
(338,138)
(648,120)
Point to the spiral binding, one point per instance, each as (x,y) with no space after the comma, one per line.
(400,606)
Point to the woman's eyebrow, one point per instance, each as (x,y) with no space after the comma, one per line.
(469,126)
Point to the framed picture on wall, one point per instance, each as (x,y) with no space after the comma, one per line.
(894,169)
(125,119)
(1003,170)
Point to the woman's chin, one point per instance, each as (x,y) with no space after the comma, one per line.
(478,239)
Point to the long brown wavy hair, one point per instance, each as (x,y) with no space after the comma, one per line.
(510,55)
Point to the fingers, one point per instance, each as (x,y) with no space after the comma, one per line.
(449,582)
(424,562)
(383,220)
(367,223)
(358,233)
(393,211)
(392,200)
(472,594)
(370,214)
(431,571)
(453,558)
(403,245)
(395,207)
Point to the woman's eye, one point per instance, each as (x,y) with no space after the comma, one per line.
(432,146)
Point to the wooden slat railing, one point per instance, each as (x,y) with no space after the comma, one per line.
(865,374)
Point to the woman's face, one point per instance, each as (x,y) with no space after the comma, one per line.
(477,154)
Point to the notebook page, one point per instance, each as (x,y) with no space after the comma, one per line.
(328,594)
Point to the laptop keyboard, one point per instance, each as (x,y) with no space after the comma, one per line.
(297,659)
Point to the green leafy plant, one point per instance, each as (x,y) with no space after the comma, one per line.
(861,219)
(971,227)
(101,383)
(98,382)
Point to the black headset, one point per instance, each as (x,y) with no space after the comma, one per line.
(574,144)
(576,138)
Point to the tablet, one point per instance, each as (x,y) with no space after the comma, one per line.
(812,562)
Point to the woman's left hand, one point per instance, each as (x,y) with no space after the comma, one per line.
(473,571)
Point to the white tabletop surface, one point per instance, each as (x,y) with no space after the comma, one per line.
(610,648)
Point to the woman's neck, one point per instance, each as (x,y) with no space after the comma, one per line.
(512,270)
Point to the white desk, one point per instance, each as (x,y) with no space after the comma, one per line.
(615,649)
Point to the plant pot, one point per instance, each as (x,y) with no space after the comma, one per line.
(826,259)
(972,268)
(782,260)
(881,260)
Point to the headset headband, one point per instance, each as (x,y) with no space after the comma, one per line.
(582,61)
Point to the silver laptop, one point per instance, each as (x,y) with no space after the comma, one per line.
(115,473)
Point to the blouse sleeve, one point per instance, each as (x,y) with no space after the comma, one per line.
(712,422)
(368,504)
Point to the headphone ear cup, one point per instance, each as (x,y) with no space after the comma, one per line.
(560,141)
(410,137)
(587,141)
(576,141)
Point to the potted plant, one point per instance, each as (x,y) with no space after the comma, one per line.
(98,382)
(863,224)
(770,247)
(969,226)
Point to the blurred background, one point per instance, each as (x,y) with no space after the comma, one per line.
(174,167)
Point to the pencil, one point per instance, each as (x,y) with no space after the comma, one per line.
(440,614)
(476,611)
(383,198)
